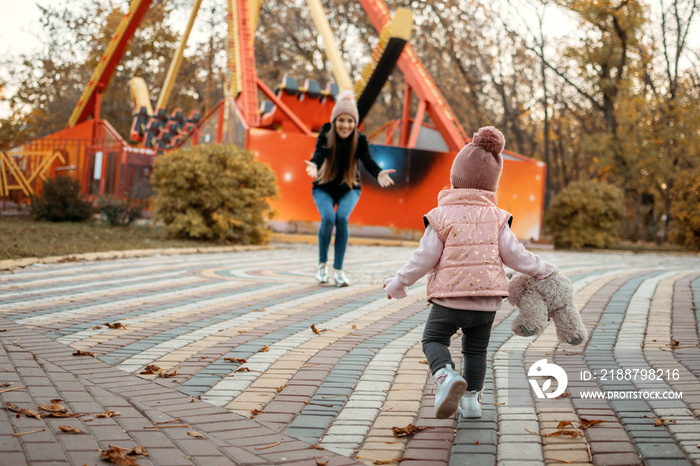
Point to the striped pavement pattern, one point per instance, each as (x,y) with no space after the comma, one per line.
(339,367)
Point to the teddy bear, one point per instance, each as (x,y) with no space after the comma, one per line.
(542,300)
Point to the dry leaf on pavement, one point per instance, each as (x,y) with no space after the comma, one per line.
(585,423)
(150,369)
(54,408)
(119,456)
(242,361)
(116,325)
(17,409)
(408,430)
(73,430)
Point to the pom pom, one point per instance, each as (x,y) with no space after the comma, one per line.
(346,95)
(489,139)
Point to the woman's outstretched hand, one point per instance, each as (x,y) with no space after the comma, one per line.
(311,169)
(384,179)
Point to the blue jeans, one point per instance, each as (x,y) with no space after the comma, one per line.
(325,203)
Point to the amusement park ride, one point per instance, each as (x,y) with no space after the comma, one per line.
(280,129)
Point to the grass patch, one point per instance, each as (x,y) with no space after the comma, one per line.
(22,237)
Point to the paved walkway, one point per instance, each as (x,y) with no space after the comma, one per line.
(258,365)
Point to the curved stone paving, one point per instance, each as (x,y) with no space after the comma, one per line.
(339,368)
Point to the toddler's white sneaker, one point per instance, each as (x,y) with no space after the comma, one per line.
(470,404)
(450,388)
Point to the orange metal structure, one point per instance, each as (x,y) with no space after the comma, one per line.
(281,131)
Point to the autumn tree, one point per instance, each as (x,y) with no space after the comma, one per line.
(51,80)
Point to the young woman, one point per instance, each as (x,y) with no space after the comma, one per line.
(335,168)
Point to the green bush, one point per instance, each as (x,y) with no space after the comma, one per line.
(213,192)
(61,201)
(684,227)
(586,214)
(119,212)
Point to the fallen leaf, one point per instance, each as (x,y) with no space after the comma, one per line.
(242,369)
(120,456)
(163,374)
(54,408)
(354,327)
(96,327)
(28,433)
(258,310)
(570,433)
(660,421)
(564,395)
(17,409)
(563,424)
(242,361)
(195,434)
(585,423)
(408,430)
(62,415)
(268,446)
(320,463)
(314,329)
(138,450)
(317,447)
(74,430)
(56,400)
(423,361)
(109,413)
(477,443)
(395,460)
(279,389)
(84,353)
(116,325)
(264,349)
(150,369)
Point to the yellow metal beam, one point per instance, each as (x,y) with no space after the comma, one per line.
(342,77)
(177,59)
(139,95)
(234,57)
(253,16)
(22,182)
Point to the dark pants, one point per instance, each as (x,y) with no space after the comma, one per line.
(442,324)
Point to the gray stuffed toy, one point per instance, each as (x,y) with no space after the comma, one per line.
(541,300)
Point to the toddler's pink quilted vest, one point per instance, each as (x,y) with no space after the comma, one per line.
(468,222)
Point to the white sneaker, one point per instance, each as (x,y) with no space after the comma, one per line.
(322,274)
(450,387)
(340,278)
(470,404)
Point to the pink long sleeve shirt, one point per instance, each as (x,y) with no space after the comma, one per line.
(427,256)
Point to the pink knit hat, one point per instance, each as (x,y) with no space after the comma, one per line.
(478,165)
(345,103)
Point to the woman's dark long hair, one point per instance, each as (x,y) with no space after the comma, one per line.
(329,167)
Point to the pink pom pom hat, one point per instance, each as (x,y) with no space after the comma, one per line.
(479,164)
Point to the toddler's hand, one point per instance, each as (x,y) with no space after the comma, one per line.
(395,289)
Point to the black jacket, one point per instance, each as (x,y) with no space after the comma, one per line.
(336,187)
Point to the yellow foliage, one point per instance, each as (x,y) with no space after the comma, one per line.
(213,192)
(685,211)
(586,214)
